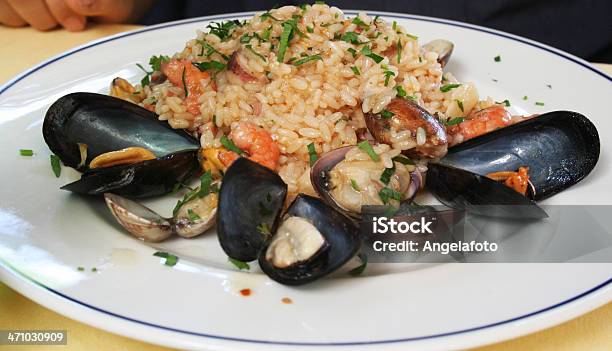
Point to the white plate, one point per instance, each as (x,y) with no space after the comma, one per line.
(46,233)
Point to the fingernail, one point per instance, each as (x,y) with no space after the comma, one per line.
(74,23)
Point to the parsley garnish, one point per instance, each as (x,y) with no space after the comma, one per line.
(360,23)
(403,160)
(229,144)
(264,229)
(248,46)
(284,40)
(385,177)
(211,50)
(192,215)
(354,185)
(359,269)
(171,259)
(366,51)
(400,91)
(212,65)
(184,84)
(223,30)
(386,114)
(454,121)
(448,87)
(539,103)
(312,152)
(265,35)
(267,15)
(497,58)
(239,264)
(388,74)
(309,29)
(355,70)
(26,152)
(352,51)
(365,146)
(525,97)
(156,61)
(386,194)
(399,50)
(505,102)
(56,166)
(307,59)
(460,104)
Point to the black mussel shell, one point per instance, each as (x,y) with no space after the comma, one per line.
(105,124)
(143,179)
(560,148)
(319,176)
(477,194)
(250,202)
(342,242)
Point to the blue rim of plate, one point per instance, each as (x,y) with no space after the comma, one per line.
(564,55)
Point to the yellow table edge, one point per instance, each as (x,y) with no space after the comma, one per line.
(592,331)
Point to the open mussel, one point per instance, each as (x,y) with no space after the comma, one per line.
(443,48)
(410,127)
(251,200)
(121,147)
(312,240)
(348,178)
(558,148)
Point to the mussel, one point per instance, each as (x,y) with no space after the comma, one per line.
(82,126)
(312,241)
(348,184)
(559,148)
(443,48)
(405,123)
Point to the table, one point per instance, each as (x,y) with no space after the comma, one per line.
(25,47)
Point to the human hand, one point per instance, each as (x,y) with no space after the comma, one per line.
(70,14)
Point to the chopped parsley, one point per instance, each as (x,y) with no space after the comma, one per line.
(505,102)
(454,121)
(307,59)
(387,194)
(309,29)
(400,91)
(267,15)
(171,259)
(185,84)
(312,153)
(355,70)
(239,264)
(394,25)
(413,37)
(365,146)
(352,51)
(212,65)
(205,188)
(211,50)
(388,74)
(497,58)
(359,269)
(146,80)
(385,177)
(56,166)
(284,40)
(80,269)
(264,229)
(360,23)
(229,144)
(223,30)
(538,103)
(351,37)
(156,61)
(386,114)
(525,97)
(448,87)
(460,104)
(265,35)
(399,50)
(354,185)
(366,51)
(403,160)
(192,215)
(26,152)
(250,48)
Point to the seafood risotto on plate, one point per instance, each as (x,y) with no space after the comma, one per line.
(294,120)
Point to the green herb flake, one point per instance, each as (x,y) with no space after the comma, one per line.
(399,50)
(264,229)
(80,269)
(250,48)
(505,102)
(413,37)
(239,264)
(400,91)
(229,144)
(309,29)
(355,70)
(454,121)
(192,215)
(538,103)
(351,37)
(497,58)
(354,185)
(205,184)
(171,259)
(403,160)
(394,25)
(366,51)
(352,51)
(156,62)
(94,269)
(307,59)
(387,194)
(365,146)
(223,30)
(361,268)
(265,35)
(267,15)
(360,23)
(185,84)
(448,87)
(525,97)
(312,152)
(284,40)
(386,114)
(26,152)
(385,177)
(460,104)
(212,65)
(388,74)
(56,165)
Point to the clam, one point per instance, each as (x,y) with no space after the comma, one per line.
(331,177)
(148,156)
(424,134)
(443,48)
(559,148)
(251,200)
(312,240)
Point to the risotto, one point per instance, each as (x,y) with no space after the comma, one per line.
(305,77)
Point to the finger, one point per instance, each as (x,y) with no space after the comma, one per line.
(104,10)
(65,16)
(35,12)
(9,17)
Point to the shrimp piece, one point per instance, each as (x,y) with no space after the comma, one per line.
(518,181)
(479,123)
(183,74)
(256,142)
